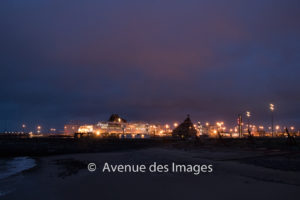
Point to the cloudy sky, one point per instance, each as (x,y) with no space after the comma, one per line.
(148,60)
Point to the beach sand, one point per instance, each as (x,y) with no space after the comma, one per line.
(234,177)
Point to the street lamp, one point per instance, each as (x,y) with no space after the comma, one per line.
(277,129)
(292,129)
(23,127)
(272,108)
(248,114)
(39,129)
(167,127)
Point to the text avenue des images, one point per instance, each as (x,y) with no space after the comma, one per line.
(196,169)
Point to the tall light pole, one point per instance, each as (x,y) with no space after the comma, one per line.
(248,114)
(272,108)
(240,124)
(23,127)
(38,129)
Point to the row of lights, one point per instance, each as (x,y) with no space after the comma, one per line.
(38,128)
(219,124)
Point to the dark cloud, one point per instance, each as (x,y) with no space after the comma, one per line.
(155,60)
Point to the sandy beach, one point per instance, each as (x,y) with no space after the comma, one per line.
(236,175)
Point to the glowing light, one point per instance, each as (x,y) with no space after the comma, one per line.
(219,124)
(272,107)
(248,114)
(86,129)
(39,129)
(175,124)
(23,126)
(235,135)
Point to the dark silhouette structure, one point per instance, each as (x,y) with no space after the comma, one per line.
(290,139)
(116,118)
(185,129)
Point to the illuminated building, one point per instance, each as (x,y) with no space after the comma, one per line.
(86,129)
(70,129)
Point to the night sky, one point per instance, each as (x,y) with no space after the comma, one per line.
(151,61)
